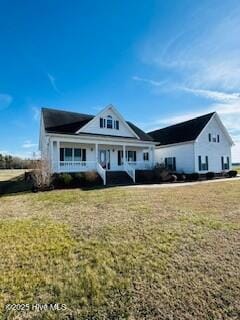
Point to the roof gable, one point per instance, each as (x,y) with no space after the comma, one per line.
(215,120)
(124,128)
(181,132)
(65,122)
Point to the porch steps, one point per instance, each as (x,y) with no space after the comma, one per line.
(118,178)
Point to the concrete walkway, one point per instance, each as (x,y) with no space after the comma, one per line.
(181,184)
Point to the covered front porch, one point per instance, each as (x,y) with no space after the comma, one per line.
(101,157)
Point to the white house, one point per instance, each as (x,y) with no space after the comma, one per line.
(199,145)
(75,142)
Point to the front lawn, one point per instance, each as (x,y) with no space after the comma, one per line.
(123,253)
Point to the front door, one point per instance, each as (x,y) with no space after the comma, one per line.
(104,156)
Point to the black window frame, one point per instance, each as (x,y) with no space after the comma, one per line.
(109,122)
(131,154)
(203,166)
(170,163)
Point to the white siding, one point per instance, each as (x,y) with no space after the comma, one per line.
(184,154)
(94,126)
(213,150)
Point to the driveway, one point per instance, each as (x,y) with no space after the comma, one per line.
(181,184)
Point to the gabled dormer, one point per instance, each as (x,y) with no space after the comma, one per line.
(109,122)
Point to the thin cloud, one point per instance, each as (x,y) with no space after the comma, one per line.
(150,81)
(5,100)
(205,53)
(36,113)
(28,144)
(52,81)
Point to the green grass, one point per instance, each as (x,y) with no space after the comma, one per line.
(123,253)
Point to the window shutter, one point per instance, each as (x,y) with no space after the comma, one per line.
(222,160)
(119,157)
(206,162)
(228,164)
(83,154)
(134,156)
(101,122)
(209,137)
(218,138)
(199,163)
(117,125)
(61,154)
(174,163)
(166,162)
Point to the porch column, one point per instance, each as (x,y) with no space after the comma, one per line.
(96,150)
(151,156)
(52,155)
(58,156)
(124,154)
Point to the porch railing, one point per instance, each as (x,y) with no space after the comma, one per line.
(72,166)
(130,170)
(141,165)
(101,172)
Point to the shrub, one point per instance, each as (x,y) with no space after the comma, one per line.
(145,176)
(92,178)
(173,178)
(162,174)
(78,179)
(232,173)
(210,175)
(62,180)
(180,176)
(193,176)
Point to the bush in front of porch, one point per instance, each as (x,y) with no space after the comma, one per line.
(76,180)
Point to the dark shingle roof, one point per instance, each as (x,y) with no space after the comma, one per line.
(181,132)
(65,122)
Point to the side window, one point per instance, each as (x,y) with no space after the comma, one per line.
(170,163)
(202,163)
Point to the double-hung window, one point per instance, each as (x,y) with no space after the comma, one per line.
(170,163)
(131,156)
(203,163)
(225,162)
(109,122)
(72,154)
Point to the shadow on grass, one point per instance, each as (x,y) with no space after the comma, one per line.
(15,185)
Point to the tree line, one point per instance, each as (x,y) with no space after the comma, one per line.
(12,162)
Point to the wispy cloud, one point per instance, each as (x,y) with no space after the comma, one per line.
(28,144)
(206,50)
(52,81)
(36,113)
(150,81)
(5,100)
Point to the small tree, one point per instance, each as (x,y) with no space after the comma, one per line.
(41,174)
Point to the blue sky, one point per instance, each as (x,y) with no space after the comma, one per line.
(158,62)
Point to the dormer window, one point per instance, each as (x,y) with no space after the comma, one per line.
(109,122)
